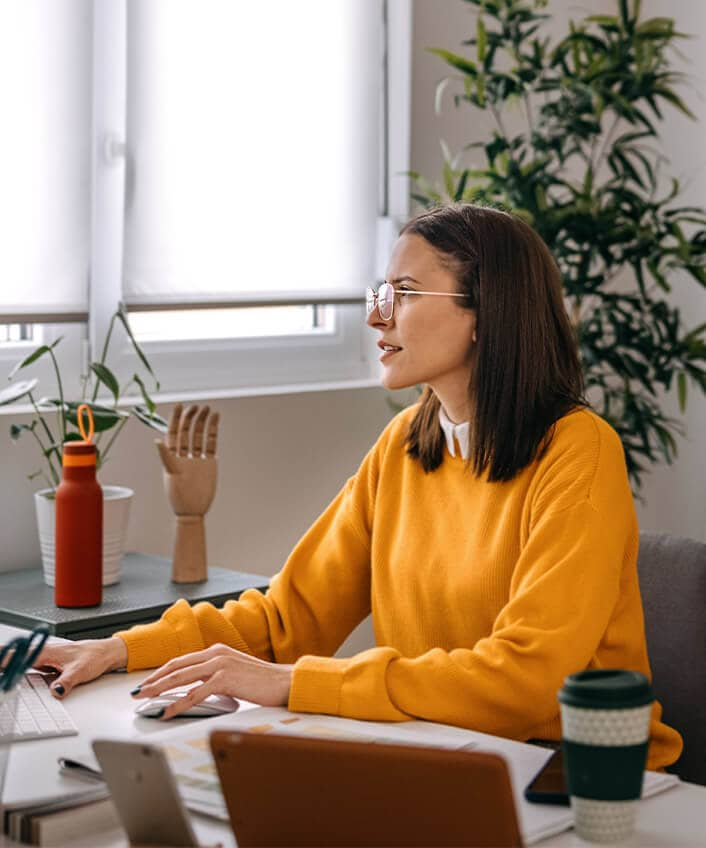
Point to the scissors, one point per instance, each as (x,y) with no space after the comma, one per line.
(25,650)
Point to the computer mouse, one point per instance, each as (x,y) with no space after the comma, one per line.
(213,705)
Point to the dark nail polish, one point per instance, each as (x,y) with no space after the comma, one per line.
(136,690)
(59,688)
(160,713)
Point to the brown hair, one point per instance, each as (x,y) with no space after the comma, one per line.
(525,370)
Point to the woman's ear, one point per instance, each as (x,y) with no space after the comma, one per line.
(474,316)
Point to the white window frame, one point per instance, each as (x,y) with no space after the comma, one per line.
(344,358)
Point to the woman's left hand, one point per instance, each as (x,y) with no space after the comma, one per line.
(222,671)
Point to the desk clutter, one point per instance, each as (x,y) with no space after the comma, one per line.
(187,749)
(82,524)
(55,822)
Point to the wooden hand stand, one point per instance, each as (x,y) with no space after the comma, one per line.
(190,472)
(189,563)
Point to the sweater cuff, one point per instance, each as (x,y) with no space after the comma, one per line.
(316,685)
(151,645)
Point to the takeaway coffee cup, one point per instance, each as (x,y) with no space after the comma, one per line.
(605,717)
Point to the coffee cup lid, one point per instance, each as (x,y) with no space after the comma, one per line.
(607,688)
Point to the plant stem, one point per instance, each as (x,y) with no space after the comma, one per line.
(120,426)
(104,354)
(530,121)
(41,418)
(498,120)
(604,149)
(52,486)
(50,436)
(61,395)
(54,475)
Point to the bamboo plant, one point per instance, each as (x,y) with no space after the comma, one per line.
(585,169)
(55,418)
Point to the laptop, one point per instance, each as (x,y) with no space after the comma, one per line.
(303,791)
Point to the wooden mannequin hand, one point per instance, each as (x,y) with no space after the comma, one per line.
(189,471)
(190,483)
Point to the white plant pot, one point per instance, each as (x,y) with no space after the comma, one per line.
(116,510)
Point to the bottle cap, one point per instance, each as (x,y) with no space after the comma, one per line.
(81,453)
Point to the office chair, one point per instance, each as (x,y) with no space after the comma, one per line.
(672,574)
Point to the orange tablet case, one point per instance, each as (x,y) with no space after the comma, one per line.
(303,791)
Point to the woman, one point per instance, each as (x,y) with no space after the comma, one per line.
(490,530)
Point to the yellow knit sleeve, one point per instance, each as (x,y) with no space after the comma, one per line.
(566,585)
(316,600)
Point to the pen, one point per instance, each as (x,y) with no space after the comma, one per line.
(77,769)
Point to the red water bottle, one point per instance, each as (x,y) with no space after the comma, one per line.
(78,537)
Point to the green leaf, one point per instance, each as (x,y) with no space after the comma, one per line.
(104,417)
(681,390)
(148,400)
(106,376)
(458,62)
(156,422)
(122,315)
(17,390)
(461,187)
(42,350)
(481,38)
(16,430)
(658,26)
(50,405)
(676,101)
(603,20)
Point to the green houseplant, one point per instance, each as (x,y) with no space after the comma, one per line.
(583,168)
(54,422)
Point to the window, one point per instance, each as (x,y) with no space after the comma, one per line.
(231,172)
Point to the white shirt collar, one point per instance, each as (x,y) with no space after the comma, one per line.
(459,432)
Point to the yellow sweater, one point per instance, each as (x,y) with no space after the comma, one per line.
(484,596)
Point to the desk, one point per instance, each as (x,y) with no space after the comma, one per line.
(103,708)
(144,592)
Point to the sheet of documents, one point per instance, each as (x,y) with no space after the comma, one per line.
(190,758)
(189,755)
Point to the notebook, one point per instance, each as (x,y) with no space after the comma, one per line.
(297,791)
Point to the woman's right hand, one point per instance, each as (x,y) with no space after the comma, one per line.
(79,662)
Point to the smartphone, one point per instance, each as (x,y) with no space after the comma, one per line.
(548,786)
(145,793)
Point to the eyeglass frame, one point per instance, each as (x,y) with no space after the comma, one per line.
(25,650)
(372,298)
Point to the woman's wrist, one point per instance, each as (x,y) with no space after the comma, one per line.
(117,655)
(287,684)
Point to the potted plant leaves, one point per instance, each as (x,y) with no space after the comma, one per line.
(54,422)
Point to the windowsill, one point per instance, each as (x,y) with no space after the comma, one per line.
(222,394)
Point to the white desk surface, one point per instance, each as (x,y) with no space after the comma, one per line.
(671,819)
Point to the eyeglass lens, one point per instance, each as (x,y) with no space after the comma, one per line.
(383,298)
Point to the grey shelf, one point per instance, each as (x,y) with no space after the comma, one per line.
(145,590)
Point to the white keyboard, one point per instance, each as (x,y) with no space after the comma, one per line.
(35,713)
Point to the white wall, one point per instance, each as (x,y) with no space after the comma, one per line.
(674,496)
(281,460)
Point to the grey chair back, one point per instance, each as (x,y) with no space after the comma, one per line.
(672,573)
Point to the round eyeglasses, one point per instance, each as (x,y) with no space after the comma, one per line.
(384,298)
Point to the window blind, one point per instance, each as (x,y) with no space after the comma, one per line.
(45,91)
(253,149)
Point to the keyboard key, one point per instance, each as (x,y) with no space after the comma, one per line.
(34,713)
